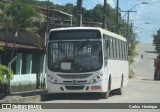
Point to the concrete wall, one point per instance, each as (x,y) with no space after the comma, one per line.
(24,82)
(29,72)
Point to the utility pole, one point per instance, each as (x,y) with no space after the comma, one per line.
(104,14)
(79,13)
(128,12)
(117,17)
(47,11)
(128,24)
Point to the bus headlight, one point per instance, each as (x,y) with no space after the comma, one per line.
(96,78)
(54,80)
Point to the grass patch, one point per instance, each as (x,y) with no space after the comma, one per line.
(130,60)
(131,73)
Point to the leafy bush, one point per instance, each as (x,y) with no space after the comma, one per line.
(5,74)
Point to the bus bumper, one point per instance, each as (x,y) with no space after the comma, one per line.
(98,87)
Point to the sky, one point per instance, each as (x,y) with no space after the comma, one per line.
(146,21)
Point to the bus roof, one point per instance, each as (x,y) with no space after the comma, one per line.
(113,34)
(104,31)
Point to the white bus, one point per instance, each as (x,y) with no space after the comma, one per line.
(86,60)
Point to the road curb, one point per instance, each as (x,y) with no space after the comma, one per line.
(28,99)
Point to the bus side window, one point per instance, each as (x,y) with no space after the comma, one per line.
(123,47)
(127,50)
(121,44)
(118,56)
(111,49)
(106,45)
(104,49)
(108,48)
(114,49)
(120,51)
(116,52)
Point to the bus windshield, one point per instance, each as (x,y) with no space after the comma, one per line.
(74,56)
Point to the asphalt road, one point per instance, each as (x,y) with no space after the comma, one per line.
(140,89)
(144,67)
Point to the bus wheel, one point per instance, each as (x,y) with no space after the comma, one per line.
(105,95)
(155,75)
(119,91)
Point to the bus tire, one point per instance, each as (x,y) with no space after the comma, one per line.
(105,95)
(119,91)
(155,75)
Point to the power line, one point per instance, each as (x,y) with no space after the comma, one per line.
(114,1)
(155,2)
(90,3)
(153,5)
(99,2)
(84,5)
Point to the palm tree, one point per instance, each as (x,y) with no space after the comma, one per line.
(5,73)
(18,16)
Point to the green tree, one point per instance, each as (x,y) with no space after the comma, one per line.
(98,13)
(1,48)
(69,8)
(156,38)
(5,74)
(88,15)
(18,16)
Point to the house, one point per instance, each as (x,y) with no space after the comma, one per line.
(28,61)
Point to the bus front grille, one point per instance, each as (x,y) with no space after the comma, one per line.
(74,76)
(74,87)
(77,82)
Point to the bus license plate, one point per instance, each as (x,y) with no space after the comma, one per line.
(95,87)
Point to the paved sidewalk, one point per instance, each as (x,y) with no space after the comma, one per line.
(24,97)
